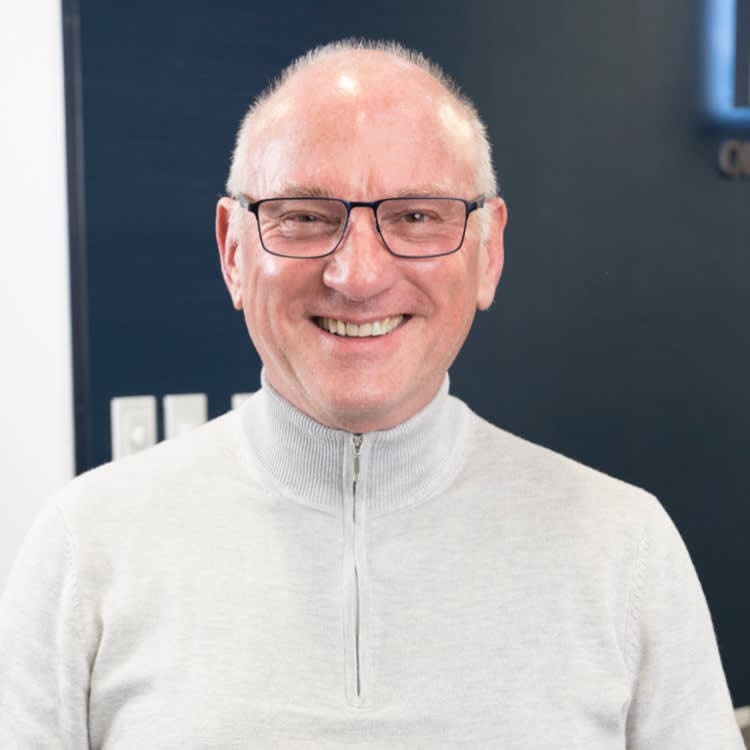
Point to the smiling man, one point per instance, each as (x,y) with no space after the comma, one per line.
(355,559)
(360,327)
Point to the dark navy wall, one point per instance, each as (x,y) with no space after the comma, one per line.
(620,331)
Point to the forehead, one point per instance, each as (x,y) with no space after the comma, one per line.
(365,123)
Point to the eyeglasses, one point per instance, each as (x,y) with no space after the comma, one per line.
(410,227)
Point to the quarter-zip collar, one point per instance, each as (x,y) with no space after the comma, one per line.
(307,461)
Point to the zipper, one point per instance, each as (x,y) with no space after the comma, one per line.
(356,447)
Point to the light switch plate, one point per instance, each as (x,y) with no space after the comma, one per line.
(184,412)
(133,424)
(239,398)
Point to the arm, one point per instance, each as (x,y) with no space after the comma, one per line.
(44,668)
(680,696)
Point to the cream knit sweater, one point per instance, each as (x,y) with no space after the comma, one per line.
(237,588)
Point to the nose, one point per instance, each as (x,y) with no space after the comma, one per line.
(361,268)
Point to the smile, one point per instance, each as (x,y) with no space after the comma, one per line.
(361,330)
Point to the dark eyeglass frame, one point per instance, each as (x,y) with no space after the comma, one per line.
(253,206)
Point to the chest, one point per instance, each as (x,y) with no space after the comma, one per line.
(360,638)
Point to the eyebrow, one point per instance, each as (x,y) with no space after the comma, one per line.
(296,190)
(423,190)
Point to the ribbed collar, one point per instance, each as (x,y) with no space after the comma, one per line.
(313,464)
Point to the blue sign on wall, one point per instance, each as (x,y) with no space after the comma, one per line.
(727,61)
(742,56)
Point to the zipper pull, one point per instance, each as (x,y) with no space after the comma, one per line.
(357,444)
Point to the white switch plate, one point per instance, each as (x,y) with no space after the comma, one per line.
(133,424)
(184,412)
(239,398)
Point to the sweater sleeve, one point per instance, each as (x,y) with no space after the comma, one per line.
(680,697)
(44,673)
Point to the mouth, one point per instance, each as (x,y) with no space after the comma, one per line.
(360,330)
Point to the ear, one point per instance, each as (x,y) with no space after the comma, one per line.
(229,250)
(492,253)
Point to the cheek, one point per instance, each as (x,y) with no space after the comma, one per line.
(259,265)
(263,275)
(465,308)
(460,292)
(274,290)
(257,281)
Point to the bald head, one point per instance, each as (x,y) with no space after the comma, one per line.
(363,82)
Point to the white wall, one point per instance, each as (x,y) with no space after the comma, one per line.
(36,413)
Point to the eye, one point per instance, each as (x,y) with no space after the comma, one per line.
(415,215)
(301,218)
(305,217)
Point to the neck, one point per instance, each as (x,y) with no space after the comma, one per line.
(312,463)
(362,418)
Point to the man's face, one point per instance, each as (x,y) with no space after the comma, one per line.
(359,127)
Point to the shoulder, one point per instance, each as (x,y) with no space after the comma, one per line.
(156,480)
(530,479)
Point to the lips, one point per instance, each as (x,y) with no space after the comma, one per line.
(360,330)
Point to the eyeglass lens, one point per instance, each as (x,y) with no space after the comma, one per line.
(413,227)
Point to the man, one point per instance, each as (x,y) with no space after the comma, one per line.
(354,559)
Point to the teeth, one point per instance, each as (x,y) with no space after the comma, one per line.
(376,328)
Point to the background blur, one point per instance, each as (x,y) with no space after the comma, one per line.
(620,332)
